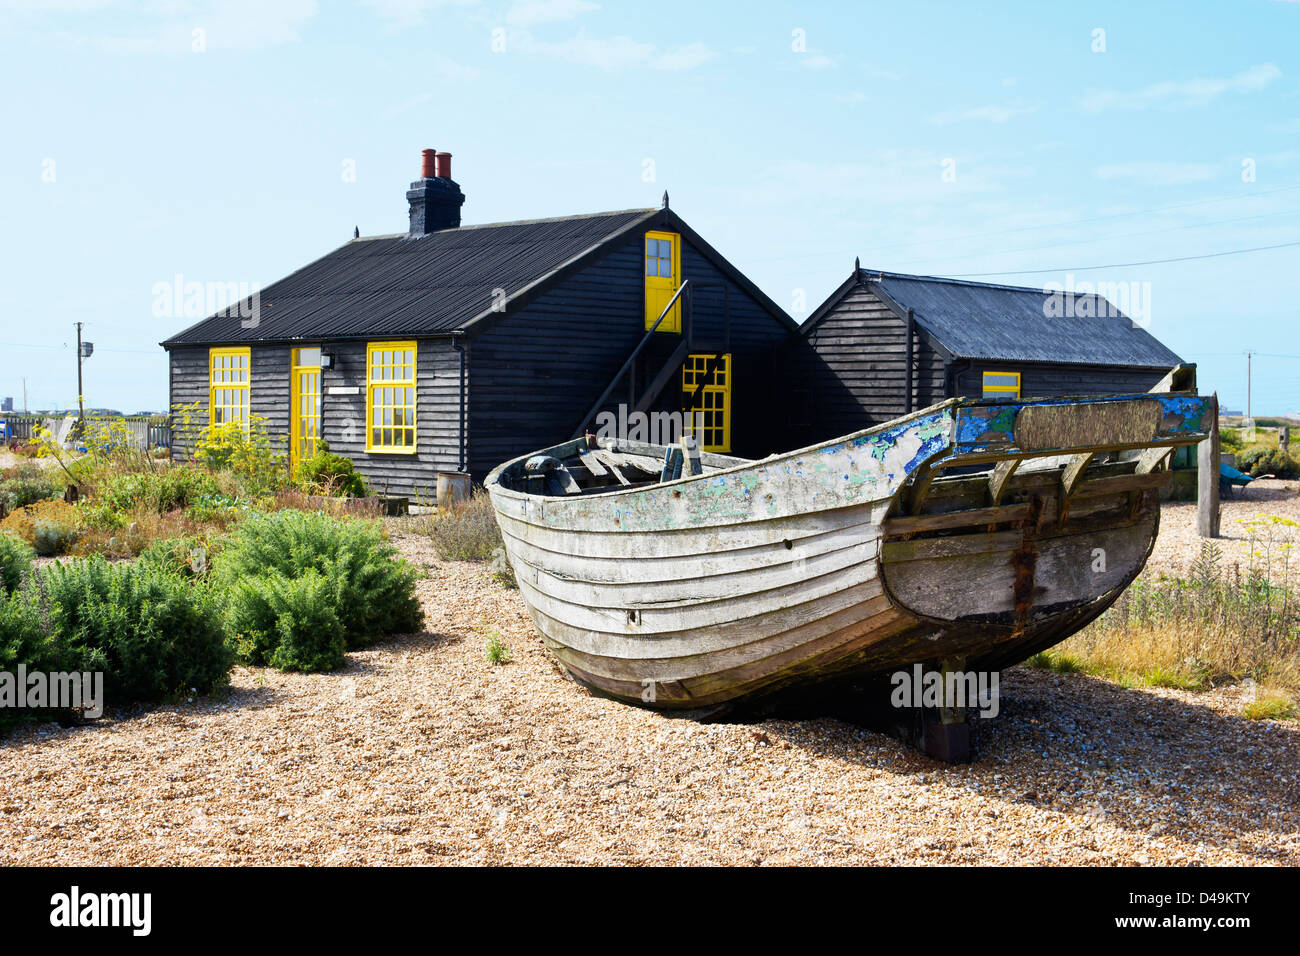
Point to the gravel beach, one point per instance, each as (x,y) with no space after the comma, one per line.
(420,752)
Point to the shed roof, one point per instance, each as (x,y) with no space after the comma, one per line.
(979,320)
(399,285)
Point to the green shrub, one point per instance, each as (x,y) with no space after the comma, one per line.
(188,557)
(372,589)
(216,509)
(15,562)
(29,483)
(495,651)
(23,638)
(244,449)
(160,491)
(24,641)
(325,473)
(1263,460)
(290,623)
(153,634)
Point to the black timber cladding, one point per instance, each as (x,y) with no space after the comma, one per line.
(534,372)
(850,371)
(572,312)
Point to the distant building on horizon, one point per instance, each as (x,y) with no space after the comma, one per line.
(7,405)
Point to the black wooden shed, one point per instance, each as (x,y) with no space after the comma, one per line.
(885,343)
(453,348)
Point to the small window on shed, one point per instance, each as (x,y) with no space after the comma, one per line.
(1001,385)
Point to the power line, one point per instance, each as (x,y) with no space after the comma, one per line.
(1121,265)
(1048,225)
(1109,238)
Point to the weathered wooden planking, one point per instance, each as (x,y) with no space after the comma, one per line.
(651,644)
(689,542)
(1067,570)
(797,663)
(761,575)
(856,470)
(651,569)
(691,616)
(1087,426)
(923,549)
(957,519)
(703,662)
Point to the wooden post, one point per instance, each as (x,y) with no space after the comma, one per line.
(1207,476)
(1284,439)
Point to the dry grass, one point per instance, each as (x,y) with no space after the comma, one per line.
(465,531)
(300,500)
(1196,632)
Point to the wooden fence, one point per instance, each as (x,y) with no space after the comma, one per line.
(144,432)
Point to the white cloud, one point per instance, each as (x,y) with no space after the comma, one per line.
(614,53)
(402,14)
(1187,93)
(1158,174)
(528,13)
(815,61)
(173,28)
(989,114)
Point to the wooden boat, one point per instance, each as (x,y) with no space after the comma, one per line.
(970,533)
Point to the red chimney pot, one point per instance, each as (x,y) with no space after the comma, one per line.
(428,163)
(444,165)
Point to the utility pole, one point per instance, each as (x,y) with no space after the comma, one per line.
(1249,355)
(81,405)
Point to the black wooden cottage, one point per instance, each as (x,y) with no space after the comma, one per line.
(451,348)
(884,344)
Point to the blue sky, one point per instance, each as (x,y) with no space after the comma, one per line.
(940,138)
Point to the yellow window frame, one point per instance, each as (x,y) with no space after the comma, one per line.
(659,288)
(391,397)
(999,391)
(304,405)
(715,401)
(230,373)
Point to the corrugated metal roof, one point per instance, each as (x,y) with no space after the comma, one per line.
(396,285)
(983,321)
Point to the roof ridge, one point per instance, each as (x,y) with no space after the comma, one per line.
(868,273)
(512,222)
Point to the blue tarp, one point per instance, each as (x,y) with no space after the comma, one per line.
(1233,475)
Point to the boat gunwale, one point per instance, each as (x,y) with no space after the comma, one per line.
(493,481)
(953,458)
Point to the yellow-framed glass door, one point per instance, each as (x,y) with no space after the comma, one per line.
(663,274)
(304,414)
(711,416)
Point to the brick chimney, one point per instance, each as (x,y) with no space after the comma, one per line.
(435,199)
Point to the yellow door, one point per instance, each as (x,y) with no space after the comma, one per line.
(710,419)
(663,270)
(304,407)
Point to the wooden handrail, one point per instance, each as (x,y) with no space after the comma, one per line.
(609,389)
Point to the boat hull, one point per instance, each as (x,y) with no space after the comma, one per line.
(796,570)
